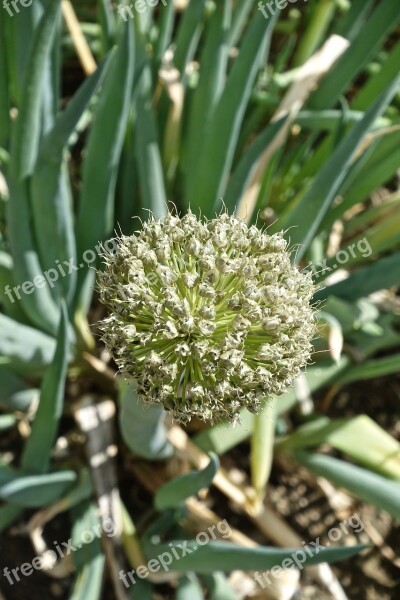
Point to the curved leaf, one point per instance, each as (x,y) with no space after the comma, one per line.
(227,557)
(33,491)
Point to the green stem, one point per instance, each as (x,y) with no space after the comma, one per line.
(315,32)
(262,447)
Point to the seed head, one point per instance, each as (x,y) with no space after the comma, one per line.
(208,316)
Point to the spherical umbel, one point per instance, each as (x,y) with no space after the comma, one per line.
(208,316)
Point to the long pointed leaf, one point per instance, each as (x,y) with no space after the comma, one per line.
(38,447)
(224,126)
(305,219)
(96,210)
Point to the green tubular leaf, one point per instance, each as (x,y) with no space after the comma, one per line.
(381,237)
(175,492)
(382,454)
(352,21)
(38,447)
(88,584)
(306,217)
(371,369)
(127,204)
(96,210)
(213,64)
(165,31)
(227,557)
(224,126)
(373,214)
(375,167)
(142,427)
(89,559)
(51,195)
(108,24)
(188,34)
(27,132)
(19,33)
(371,90)
(28,350)
(189,588)
(262,445)
(33,491)
(379,166)
(248,163)
(37,303)
(364,47)
(380,275)
(147,140)
(5,128)
(241,14)
(321,15)
(366,486)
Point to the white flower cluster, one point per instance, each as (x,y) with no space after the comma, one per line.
(208,317)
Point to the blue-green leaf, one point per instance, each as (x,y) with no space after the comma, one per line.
(142,427)
(36,455)
(175,492)
(369,487)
